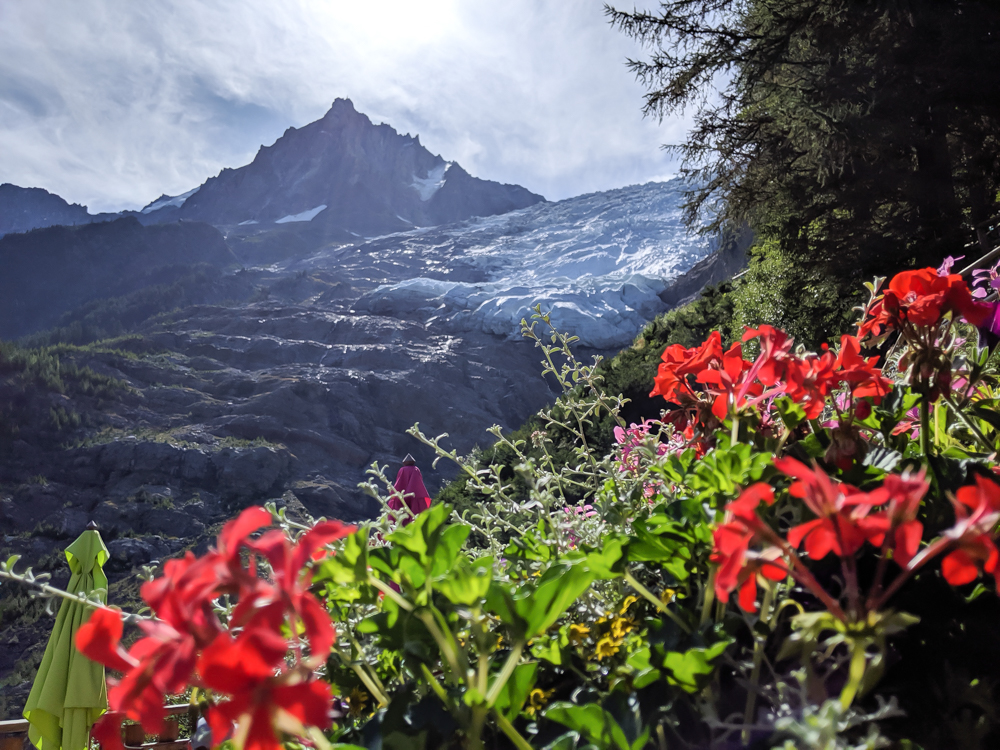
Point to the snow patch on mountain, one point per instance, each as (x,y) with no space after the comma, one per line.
(166,201)
(309,215)
(597,262)
(433,182)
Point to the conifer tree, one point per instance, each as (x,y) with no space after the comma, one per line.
(854,136)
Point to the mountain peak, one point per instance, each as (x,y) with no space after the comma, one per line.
(342,104)
(368,178)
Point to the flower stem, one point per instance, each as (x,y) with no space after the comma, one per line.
(648,596)
(505,673)
(390,592)
(706,605)
(512,734)
(758,657)
(925,426)
(977,433)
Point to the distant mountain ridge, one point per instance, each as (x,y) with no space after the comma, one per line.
(342,172)
(24,209)
(345,172)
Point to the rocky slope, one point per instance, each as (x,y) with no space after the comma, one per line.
(48,272)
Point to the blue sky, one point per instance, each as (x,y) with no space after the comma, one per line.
(112,102)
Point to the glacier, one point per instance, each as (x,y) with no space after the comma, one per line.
(433,182)
(598,263)
(168,201)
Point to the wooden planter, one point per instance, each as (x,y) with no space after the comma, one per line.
(170,731)
(12,742)
(133,734)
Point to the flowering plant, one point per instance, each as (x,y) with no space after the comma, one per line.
(767,551)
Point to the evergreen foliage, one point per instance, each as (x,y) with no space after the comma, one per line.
(855,138)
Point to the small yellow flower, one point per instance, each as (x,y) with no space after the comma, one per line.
(620,627)
(577,634)
(537,699)
(356,702)
(606,647)
(667,596)
(629,601)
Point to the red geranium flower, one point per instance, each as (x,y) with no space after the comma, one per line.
(188,644)
(842,525)
(738,564)
(921,298)
(861,374)
(729,383)
(973,534)
(900,518)
(679,363)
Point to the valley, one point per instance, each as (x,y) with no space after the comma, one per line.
(277,360)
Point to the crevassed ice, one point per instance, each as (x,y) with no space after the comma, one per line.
(304,216)
(177,201)
(597,262)
(433,182)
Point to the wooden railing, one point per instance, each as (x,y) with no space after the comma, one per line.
(14,734)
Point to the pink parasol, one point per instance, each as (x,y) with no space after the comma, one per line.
(410,484)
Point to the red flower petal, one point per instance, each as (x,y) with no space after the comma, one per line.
(108,731)
(907,541)
(235,532)
(798,533)
(98,640)
(748,594)
(822,540)
(318,536)
(309,702)
(958,568)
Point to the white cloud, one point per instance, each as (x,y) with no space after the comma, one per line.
(113,102)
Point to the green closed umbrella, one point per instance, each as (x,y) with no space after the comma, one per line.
(69,693)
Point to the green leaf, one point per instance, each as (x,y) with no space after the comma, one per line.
(690,668)
(557,589)
(449,544)
(988,414)
(516,690)
(11,562)
(548,649)
(592,723)
(791,413)
(468,582)
(420,536)
(350,564)
(646,673)
(602,561)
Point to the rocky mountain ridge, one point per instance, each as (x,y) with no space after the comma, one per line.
(344,172)
(24,209)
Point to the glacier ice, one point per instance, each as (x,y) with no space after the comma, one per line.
(166,201)
(597,262)
(433,182)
